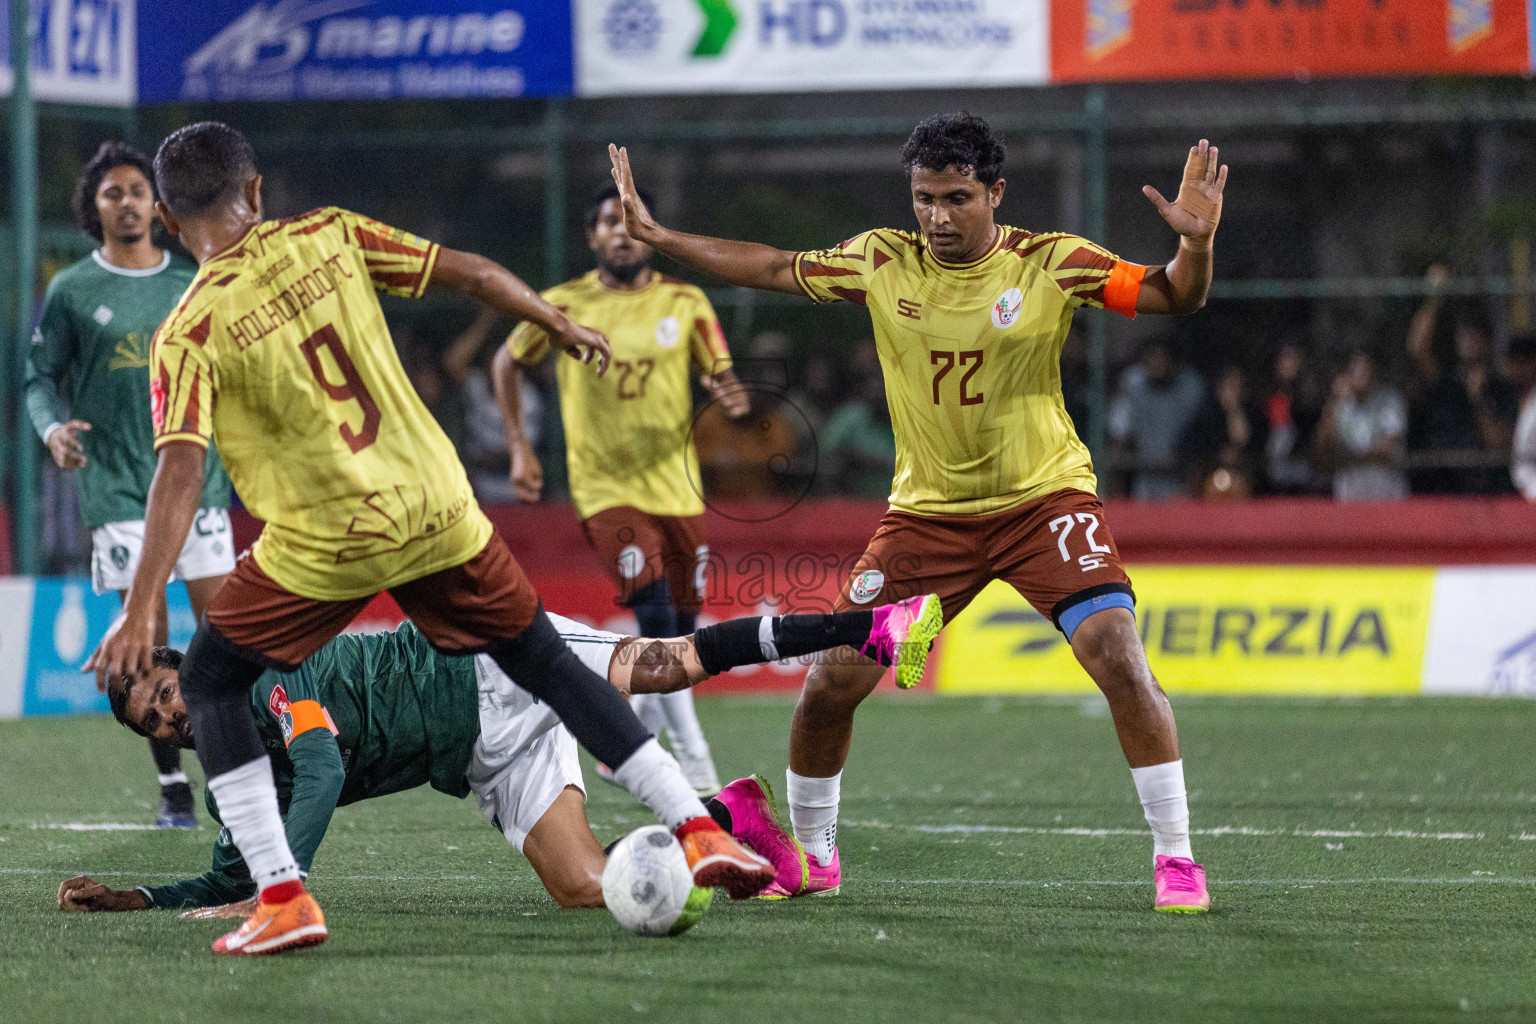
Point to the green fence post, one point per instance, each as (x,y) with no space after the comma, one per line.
(24,218)
(554,192)
(1096,227)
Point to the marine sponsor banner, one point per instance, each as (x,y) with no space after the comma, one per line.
(1482,637)
(690,46)
(1217,629)
(353,49)
(83,51)
(1112,40)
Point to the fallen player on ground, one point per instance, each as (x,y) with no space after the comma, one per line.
(370,715)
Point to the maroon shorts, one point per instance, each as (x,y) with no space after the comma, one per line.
(637,548)
(462,610)
(1056,551)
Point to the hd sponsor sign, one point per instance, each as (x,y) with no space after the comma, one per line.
(691,46)
(1110,40)
(354,49)
(82,51)
(1219,629)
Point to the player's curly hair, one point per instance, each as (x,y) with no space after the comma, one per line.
(962,141)
(202,165)
(595,205)
(117,696)
(112,154)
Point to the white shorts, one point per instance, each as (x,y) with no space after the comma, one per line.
(116,547)
(525,756)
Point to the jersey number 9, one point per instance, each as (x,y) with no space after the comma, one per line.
(351,387)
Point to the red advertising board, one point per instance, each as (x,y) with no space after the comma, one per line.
(1121,40)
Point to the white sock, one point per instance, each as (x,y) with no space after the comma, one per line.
(647,708)
(652,776)
(685,734)
(813,813)
(248,804)
(1161,788)
(171,778)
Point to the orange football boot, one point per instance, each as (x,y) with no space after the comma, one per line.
(717,860)
(277,925)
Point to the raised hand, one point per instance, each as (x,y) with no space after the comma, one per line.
(1197,211)
(638,221)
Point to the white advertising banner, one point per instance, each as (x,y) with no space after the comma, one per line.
(15,632)
(83,51)
(625,47)
(1482,632)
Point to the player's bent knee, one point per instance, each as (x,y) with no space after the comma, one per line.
(1108,647)
(845,683)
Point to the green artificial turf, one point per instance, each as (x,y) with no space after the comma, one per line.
(1370,860)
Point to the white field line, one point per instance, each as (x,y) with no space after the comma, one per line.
(98,826)
(1217,831)
(1044,883)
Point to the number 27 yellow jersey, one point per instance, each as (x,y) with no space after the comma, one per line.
(280,350)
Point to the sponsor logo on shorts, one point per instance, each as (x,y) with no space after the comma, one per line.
(630,561)
(119,556)
(668,332)
(866,586)
(1006,310)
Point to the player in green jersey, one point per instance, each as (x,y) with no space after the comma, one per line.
(370,715)
(93,343)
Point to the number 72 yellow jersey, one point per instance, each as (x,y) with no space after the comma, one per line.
(279,349)
(972,358)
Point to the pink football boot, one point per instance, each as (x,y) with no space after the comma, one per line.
(1181,886)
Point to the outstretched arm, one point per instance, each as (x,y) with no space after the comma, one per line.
(746,264)
(1183,283)
(499,288)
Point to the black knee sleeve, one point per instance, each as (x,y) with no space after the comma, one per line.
(597,715)
(687,622)
(652,605)
(216,684)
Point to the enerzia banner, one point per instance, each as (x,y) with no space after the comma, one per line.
(353,49)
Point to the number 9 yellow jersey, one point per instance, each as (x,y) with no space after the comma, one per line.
(972,358)
(279,350)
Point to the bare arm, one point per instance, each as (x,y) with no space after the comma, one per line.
(173,497)
(1182,285)
(461,354)
(507,382)
(746,264)
(502,290)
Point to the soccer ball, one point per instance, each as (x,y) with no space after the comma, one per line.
(648,887)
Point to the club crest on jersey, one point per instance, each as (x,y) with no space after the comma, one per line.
(866,586)
(1006,310)
(668,332)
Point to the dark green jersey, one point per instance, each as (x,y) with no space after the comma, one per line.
(403,716)
(93,339)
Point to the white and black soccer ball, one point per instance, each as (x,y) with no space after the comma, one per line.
(648,887)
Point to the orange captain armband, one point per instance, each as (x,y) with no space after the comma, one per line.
(1123,288)
(302,716)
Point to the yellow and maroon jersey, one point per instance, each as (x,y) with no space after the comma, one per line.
(972,358)
(628,433)
(280,350)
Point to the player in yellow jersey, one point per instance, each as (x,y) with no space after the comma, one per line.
(991,480)
(279,348)
(628,440)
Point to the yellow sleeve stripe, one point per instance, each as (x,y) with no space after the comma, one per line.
(426,271)
(800,278)
(180,435)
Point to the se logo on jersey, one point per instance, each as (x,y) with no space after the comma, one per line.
(668,332)
(1006,310)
